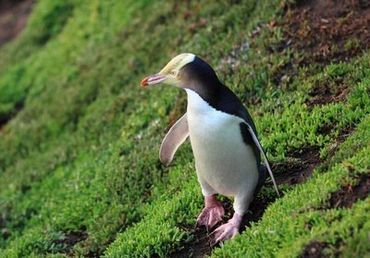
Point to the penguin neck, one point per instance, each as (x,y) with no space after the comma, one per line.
(219,98)
(198,105)
(207,92)
(202,79)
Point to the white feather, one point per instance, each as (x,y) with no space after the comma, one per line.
(222,158)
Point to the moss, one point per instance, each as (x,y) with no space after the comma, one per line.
(82,151)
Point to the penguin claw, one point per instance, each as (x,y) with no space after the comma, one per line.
(228,230)
(210,216)
(224,232)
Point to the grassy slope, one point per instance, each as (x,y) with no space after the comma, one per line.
(81,155)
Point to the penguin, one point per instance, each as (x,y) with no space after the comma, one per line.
(223,139)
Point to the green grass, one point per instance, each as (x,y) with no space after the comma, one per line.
(82,153)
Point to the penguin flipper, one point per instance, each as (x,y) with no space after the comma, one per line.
(173,139)
(257,143)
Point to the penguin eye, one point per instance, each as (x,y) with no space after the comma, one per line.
(173,72)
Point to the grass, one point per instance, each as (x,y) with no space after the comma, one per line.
(80,152)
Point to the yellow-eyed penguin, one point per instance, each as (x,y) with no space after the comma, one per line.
(223,138)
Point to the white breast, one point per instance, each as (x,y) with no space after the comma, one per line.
(222,159)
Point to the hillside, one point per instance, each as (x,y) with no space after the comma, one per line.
(79,139)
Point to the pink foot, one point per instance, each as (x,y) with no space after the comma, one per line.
(228,230)
(212,213)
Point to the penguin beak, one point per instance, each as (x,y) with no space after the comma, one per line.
(152,80)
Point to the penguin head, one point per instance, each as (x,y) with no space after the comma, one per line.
(185,71)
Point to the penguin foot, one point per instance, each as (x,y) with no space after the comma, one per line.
(228,230)
(211,214)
